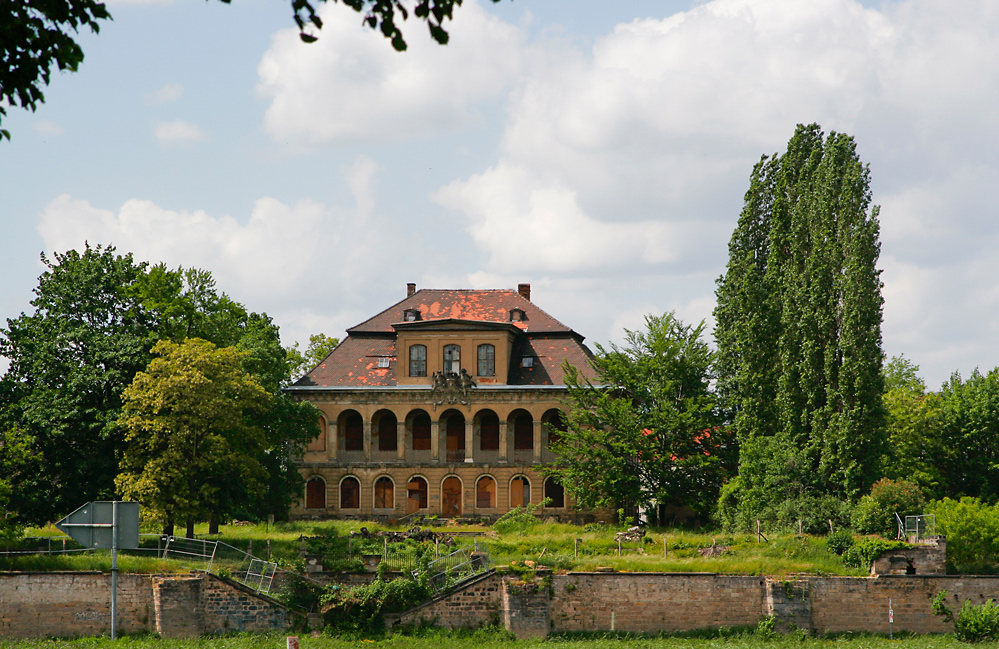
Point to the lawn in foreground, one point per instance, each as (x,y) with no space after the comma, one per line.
(437,639)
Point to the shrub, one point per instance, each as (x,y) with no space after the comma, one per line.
(520,519)
(972,531)
(363,608)
(875,513)
(839,542)
(863,554)
(974,622)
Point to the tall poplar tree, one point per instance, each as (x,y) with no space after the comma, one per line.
(799,329)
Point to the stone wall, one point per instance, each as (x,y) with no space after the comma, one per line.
(653,602)
(476,604)
(929,557)
(40,604)
(71,604)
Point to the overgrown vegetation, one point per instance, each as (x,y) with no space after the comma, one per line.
(863,554)
(974,622)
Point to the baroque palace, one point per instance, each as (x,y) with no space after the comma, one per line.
(444,403)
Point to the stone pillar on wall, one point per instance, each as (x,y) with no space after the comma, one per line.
(504,440)
(435,440)
(469,440)
(526,608)
(178,606)
(790,603)
(537,441)
(400,437)
(332,440)
(367,440)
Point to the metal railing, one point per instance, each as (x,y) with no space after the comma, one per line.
(452,569)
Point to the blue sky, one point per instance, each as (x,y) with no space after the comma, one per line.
(598,150)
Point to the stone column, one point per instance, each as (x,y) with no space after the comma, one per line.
(400,437)
(367,440)
(537,441)
(504,440)
(332,441)
(435,440)
(469,441)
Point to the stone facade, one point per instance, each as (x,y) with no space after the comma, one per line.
(73,604)
(444,404)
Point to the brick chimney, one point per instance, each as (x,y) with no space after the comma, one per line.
(411,289)
(525,291)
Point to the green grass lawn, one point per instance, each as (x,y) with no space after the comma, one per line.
(547,544)
(500,640)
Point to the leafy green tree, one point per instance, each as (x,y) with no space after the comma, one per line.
(97,315)
(972,531)
(969,449)
(799,328)
(647,433)
(914,427)
(14,466)
(320,346)
(190,427)
(70,360)
(34,37)
(875,513)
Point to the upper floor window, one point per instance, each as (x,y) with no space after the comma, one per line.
(417,360)
(487,360)
(452,359)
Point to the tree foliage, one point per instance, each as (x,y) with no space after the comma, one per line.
(34,37)
(968,457)
(70,361)
(299,362)
(647,433)
(97,315)
(972,531)
(799,327)
(875,513)
(191,431)
(914,431)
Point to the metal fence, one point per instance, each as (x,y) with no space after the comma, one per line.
(195,554)
(452,569)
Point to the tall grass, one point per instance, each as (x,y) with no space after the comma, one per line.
(548,544)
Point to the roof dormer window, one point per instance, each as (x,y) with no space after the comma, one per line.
(517,315)
(411,315)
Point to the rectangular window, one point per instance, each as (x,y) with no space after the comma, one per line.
(418,360)
(452,359)
(487,360)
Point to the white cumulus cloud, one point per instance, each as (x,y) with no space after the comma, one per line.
(351,86)
(177,131)
(630,158)
(166,93)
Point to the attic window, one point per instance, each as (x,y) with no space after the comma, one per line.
(411,315)
(527,361)
(383,362)
(517,315)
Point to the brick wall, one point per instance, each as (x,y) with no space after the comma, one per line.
(70,604)
(652,602)
(475,605)
(851,604)
(39,604)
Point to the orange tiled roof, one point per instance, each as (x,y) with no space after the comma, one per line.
(358,360)
(484,305)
